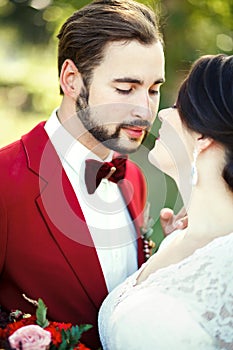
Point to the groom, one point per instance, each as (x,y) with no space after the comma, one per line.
(64,239)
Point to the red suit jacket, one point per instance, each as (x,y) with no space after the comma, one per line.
(39,214)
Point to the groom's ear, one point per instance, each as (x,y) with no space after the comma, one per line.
(70,79)
(203,142)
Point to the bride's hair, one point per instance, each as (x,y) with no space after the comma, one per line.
(205,103)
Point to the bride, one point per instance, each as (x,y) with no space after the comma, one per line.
(182,297)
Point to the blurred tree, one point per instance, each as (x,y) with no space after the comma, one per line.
(190,28)
(193,28)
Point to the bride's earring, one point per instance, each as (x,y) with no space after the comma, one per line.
(194,173)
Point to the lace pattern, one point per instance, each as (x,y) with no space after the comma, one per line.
(202,282)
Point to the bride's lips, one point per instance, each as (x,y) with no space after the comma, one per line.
(134,131)
(158,137)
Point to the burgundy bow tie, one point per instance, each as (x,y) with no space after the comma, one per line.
(96,171)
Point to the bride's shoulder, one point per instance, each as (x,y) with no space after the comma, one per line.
(221,245)
(216,245)
(168,239)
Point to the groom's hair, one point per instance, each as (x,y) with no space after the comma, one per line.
(84,35)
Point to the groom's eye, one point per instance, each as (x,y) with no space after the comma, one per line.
(124,91)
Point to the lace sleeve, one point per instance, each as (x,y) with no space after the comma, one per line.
(109,305)
(204,283)
(199,292)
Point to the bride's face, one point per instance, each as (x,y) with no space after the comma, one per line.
(173,149)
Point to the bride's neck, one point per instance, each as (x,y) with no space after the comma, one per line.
(210,211)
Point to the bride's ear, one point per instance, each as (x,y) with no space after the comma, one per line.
(202,143)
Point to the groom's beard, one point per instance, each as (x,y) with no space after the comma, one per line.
(111,140)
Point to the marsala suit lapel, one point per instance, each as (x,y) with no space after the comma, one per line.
(136,217)
(62,214)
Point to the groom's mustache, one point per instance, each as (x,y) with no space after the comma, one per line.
(139,123)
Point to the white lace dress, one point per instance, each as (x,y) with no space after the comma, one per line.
(186,306)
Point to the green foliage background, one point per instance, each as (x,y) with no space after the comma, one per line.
(29,88)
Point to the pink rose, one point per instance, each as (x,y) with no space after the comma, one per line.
(32,337)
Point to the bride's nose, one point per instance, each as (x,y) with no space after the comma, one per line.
(163,113)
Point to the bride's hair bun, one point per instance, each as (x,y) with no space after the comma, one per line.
(205,103)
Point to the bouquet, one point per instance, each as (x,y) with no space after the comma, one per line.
(20,331)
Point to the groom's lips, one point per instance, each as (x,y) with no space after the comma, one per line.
(134,131)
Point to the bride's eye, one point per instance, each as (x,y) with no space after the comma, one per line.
(154,92)
(174,106)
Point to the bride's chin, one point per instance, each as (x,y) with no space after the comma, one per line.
(160,162)
(156,154)
(154,159)
(151,157)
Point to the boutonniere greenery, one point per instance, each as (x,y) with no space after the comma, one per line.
(147,231)
(20,331)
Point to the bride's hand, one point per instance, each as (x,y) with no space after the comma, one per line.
(171,222)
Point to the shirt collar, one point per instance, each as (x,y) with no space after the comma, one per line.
(68,148)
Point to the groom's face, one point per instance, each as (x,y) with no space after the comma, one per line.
(124,94)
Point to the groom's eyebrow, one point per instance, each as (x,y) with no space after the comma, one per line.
(137,81)
(128,80)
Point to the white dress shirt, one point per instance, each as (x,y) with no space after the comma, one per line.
(105,211)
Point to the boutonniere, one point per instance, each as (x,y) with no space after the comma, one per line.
(20,331)
(147,231)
